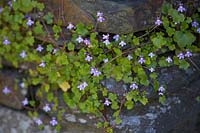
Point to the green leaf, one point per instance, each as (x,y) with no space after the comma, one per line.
(49,18)
(184,64)
(159,41)
(70,46)
(81,29)
(38,29)
(184,39)
(117,51)
(50,96)
(162,99)
(129,105)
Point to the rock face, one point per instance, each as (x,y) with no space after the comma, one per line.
(122,16)
(14,98)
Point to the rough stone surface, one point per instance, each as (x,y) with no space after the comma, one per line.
(13,100)
(121,16)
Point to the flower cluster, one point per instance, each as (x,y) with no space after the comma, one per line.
(100,17)
(82,86)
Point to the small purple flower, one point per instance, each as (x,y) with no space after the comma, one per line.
(46,108)
(151,55)
(53,121)
(129,57)
(198,30)
(116,37)
(169,59)
(39,48)
(23,54)
(6,90)
(134,86)
(38,121)
(100,19)
(6,42)
(141,60)
(181,8)
(106,37)
(106,42)
(188,54)
(88,58)
(95,72)
(10,3)
(79,39)
(195,24)
(55,50)
(181,56)
(87,42)
(105,60)
(22,85)
(161,90)
(70,26)
(122,43)
(82,86)
(99,14)
(29,22)
(42,64)
(107,102)
(158,21)
(25,102)
(151,69)
(1,9)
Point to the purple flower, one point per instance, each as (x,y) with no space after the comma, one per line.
(106,42)
(158,21)
(129,57)
(100,19)
(88,58)
(6,42)
(95,72)
(188,54)
(25,102)
(195,24)
(53,121)
(70,26)
(198,30)
(169,59)
(46,108)
(106,37)
(134,86)
(141,60)
(38,121)
(151,69)
(29,22)
(99,14)
(181,56)
(151,55)
(107,102)
(1,9)
(82,86)
(6,90)
(87,42)
(116,37)
(122,43)
(79,39)
(22,85)
(55,50)
(181,8)
(23,54)
(42,64)
(161,90)
(105,60)
(39,48)
(10,3)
